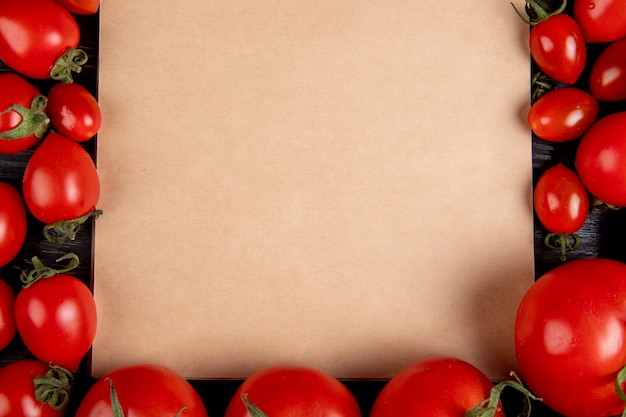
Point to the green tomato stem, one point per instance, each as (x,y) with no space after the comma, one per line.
(490,406)
(34,120)
(54,387)
(563,242)
(251,407)
(71,61)
(41,271)
(62,230)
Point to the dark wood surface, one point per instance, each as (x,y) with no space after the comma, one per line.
(602,237)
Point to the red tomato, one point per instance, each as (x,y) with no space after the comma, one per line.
(570,337)
(23,119)
(560,200)
(143,391)
(601,158)
(607,81)
(73,111)
(80,6)
(601,20)
(17,391)
(60,181)
(558,48)
(56,319)
(13,223)
(38,38)
(294,391)
(7,315)
(562,114)
(437,386)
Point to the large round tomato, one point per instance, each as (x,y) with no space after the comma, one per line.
(293,391)
(558,48)
(23,120)
(143,390)
(570,337)
(38,39)
(601,159)
(607,81)
(7,314)
(17,391)
(601,20)
(56,318)
(73,111)
(562,114)
(436,386)
(13,223)
(80,6)
(60,181)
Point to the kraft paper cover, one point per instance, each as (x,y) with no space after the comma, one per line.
(339,184)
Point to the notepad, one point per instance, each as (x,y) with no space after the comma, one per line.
(344,185)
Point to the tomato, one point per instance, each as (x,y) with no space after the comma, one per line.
(607,80)
(80,6)
(570,337)
(143,390)
(435,386)
(8,327)
(17,390)
(601,158)
(561,203)
(23,119)
(73,111)
(13,223)
(562,114)
(601,20)
(56,317)
(556,43)
(293,391)
(60,181)
(38,39)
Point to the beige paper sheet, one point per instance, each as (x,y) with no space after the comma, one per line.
(339,184)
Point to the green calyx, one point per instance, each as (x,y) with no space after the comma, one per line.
(40,271)
(63,230)
(34,120)
(54,387)
(252,409)
(71,61)
(563,241)
(540,10)
(490,406)
(116,407)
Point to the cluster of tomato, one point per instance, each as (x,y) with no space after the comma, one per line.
(569,330)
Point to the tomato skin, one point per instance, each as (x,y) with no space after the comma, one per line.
(56,318)
(15,90)
(607,80)
(435,386)
(558,48)
(73,111)
(294,391)
(563,114)
(570,337)
(13,223)
(17,392)
(80,6)
(560,200)
(60,180)
(601,159)
(601,20)
(8,328)
(34,34)
(143,390)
